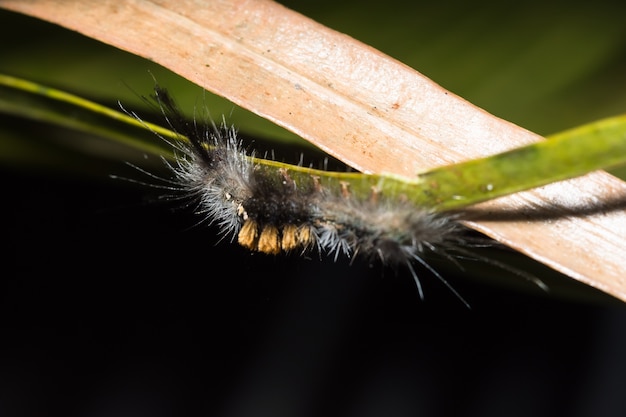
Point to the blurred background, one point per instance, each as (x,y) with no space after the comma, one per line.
(113,303)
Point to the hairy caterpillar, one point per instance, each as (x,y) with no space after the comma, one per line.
(268,210)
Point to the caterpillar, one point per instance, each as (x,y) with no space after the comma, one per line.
(270,210)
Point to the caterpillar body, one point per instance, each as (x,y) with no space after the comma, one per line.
(268,210)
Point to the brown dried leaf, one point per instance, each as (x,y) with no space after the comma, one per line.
(361,106)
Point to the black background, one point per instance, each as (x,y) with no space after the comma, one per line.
(114,304)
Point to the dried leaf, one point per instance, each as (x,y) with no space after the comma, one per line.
(363,107)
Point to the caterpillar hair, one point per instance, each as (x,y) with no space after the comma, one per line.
(273,212)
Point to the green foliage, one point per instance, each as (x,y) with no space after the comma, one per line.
(569,154)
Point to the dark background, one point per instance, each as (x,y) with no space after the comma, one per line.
(114,304)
